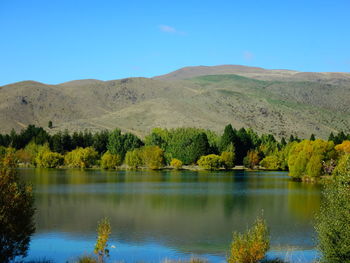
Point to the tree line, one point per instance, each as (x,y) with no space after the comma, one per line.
(177,147)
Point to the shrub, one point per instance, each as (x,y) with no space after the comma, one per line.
(152,157)
(133,158)
(332,221)
(251,246)
(252,159)
(270,162)
(110,161)
(48,159)
(176,163)
(228,159)
(343,166)
(343,147)
(81,157)
(210,162)
(103,232)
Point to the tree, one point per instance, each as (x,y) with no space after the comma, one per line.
(250,247)
(176,163)
(210,162)
(252,159)
(81,157)
(103,232)
(16,212)
(119,143)
(312,137)
(110,161)
(332,222)
(270,162)
(48,159)
(133,158)
(344,147)
(153,157)
(227,138)
(228,159)
(50,125)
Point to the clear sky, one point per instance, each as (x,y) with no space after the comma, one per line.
(53,41)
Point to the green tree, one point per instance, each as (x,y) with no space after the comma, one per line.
(16,212)
(50,125)
(250,247)
(103,232)
(110,161)
(270,162)
(119,143)
(210,162)
(228,159)
(133,158)
(227,138)
(332,222)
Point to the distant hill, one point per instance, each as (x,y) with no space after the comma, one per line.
(281,102)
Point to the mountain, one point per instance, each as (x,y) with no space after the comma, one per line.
(281,102)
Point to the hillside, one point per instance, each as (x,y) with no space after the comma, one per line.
(282,102)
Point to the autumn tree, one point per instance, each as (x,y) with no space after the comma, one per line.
(16,211)
(103,233)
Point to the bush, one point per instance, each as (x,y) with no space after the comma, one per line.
(86,259)
(251,246)
(81,157)
(210,162)
(228,159)
(48,159)
(270,162)
(332,221)
(103,233)
(153,157)
(176,163)
(110,161)
(343,166)
(133,158)
(252,159)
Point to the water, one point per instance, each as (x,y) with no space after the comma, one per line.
(169,214)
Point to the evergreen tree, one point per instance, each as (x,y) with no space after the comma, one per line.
(227,138)
(312,137)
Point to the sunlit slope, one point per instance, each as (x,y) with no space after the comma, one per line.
(282,107)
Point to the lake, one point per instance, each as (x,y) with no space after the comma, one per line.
(157,215)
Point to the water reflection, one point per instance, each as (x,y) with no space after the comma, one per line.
(188,211)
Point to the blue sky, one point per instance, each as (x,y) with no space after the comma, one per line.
(55,41)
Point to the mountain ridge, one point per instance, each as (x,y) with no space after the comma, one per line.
(281,102)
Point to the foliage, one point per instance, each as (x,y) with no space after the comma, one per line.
(133,158)
(343,147)
(343,166)
(152,157)
(86,259)
(270,162)
(252,159)
(306,157)
(228,159)
(176,163)
(210,162)
(332,221)
(48,159)
(16,211)
(250,247)
(103,232)
(110,161)
(81,157)
(119,143)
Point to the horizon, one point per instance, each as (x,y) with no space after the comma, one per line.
(105,80)
(56,42)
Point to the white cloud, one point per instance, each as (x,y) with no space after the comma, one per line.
(167,29)
(170,30)
(247,55)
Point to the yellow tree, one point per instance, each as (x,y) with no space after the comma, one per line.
(103,232)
